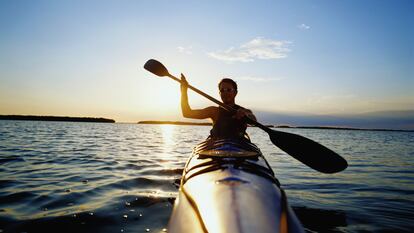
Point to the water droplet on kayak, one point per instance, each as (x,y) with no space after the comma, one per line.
(125,216)
(147,230)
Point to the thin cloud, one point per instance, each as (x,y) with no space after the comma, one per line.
(304,27)
(258,48)
(186,50)
(259,79)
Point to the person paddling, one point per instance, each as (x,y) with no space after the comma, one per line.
(301,148)
(225,124)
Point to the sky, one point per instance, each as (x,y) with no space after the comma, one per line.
(85,58)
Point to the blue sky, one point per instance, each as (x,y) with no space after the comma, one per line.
(85,58)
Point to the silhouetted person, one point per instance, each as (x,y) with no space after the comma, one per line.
(225,124)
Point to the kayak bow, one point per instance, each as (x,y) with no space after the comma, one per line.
(228,186)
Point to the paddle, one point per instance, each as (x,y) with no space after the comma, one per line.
(303,149)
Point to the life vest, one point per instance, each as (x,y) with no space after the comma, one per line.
(228,127)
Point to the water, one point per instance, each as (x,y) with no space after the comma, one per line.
(94,177)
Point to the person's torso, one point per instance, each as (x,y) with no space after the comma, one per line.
(226,126)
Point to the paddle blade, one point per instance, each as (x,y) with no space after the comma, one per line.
(156,68)
(308,152)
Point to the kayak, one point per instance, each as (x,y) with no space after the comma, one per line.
(228,186)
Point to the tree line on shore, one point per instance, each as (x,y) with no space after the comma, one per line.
(55,118)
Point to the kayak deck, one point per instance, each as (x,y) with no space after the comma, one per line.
(230,190)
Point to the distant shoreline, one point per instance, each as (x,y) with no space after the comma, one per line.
(105,120)
(345,128)
(55,118)
(271,126)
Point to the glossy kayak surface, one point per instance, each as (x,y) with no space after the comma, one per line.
(228,186)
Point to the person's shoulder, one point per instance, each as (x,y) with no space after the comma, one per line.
(213,112)
(212,109)
(238,106)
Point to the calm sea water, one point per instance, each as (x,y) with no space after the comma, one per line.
(94,177)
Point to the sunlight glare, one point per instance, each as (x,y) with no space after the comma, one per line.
(167,134)
(167,97)
(207,203)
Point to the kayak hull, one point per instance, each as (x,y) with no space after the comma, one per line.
(230,193)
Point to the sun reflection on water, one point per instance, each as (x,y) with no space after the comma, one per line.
(168,132)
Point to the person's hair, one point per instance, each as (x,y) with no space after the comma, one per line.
(228,80)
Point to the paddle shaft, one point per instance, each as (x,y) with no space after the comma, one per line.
(225,106)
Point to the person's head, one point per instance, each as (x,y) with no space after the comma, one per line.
(228,90)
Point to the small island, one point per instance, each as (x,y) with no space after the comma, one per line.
(55,118)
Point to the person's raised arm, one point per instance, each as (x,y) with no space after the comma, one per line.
(185,106)
(209,112)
